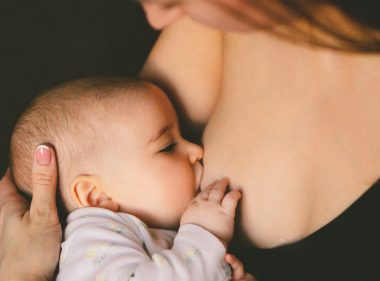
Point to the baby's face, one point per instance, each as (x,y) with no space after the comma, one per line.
(152,171)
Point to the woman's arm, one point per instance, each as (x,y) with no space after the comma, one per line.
(186,61)
(30,238)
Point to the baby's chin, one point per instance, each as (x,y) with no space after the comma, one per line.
(169,225)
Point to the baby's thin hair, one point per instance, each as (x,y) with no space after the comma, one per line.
(69,117)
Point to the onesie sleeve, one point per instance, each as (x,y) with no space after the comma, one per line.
(196,255)
(103,246)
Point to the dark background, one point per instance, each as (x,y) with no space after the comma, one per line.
(44,42)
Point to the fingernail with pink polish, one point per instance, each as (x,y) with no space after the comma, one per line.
(43,155)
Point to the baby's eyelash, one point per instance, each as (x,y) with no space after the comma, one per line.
(169,148)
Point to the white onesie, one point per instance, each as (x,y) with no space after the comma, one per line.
(101,245)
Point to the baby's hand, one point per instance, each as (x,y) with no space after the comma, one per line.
(238,273)
(214,210)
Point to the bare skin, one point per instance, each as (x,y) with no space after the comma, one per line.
(30,234)
(294,127)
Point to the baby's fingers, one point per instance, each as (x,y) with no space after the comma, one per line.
(238,273)
(218,190)
(249,277)
(230,201)
(236,266)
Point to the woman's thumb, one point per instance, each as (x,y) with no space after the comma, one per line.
(44,184)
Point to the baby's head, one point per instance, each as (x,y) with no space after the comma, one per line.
(118,147)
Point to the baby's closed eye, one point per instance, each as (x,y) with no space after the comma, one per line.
(169,148)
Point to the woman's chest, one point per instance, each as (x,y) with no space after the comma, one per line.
(298,131)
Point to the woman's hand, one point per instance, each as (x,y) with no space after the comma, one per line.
(238,273)
(30,238)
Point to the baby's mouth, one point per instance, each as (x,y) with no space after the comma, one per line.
(198,172)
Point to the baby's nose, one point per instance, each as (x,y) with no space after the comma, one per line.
(195,152)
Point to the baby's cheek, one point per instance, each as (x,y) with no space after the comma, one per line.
(186,190)
(185,176)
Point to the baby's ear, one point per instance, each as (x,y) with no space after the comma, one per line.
(86,191)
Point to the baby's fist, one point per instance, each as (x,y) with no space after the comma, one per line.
(214,210)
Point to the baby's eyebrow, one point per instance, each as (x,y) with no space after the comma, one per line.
(161,132)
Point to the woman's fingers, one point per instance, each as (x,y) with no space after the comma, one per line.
(10,201)
(44,184)
(33,236)
(7,188)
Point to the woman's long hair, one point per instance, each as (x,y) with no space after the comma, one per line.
(348,25)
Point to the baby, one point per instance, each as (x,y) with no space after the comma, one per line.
(128,179)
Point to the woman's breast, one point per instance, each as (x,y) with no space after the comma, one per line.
(300,151)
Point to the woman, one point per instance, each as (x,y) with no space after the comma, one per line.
(287,92)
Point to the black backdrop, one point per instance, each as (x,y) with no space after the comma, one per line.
(44,42)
